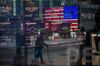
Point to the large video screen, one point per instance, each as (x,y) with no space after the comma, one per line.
(71,12)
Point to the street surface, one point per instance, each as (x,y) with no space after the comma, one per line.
(56,54)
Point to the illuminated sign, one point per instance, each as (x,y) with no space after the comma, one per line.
(71,12)
(30,27)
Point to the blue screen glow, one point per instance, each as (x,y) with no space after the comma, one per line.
(71,12)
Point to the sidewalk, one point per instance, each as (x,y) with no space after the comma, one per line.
(57,53)
(55,57)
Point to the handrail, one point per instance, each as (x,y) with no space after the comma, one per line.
(59,44)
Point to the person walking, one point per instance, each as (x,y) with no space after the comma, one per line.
(39,48)
(83,33)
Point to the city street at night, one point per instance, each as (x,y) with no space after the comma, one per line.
(49,33)
(51,54)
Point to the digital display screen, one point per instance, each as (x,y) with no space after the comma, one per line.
(71,12)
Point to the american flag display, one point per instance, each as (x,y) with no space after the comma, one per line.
(74,26)
(63,14)
(71,13)
(54,14)
(52,26)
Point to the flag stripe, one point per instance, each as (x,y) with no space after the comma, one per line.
(54,18)
(54,11)
(74,26)
(54,14)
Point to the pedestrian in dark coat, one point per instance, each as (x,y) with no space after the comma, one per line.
(39,47)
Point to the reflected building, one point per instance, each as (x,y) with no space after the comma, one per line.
(87,14)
